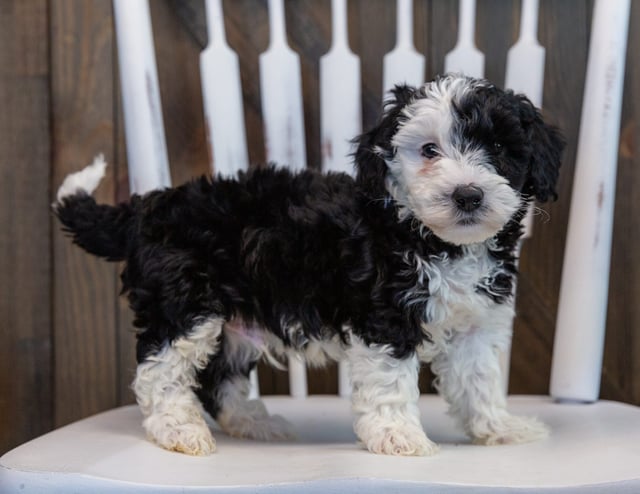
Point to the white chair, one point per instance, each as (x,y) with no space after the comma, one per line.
(594,445)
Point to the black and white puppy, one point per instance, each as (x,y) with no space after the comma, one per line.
(412,261)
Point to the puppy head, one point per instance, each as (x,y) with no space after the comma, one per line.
(460,155)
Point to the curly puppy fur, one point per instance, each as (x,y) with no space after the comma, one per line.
(413,260)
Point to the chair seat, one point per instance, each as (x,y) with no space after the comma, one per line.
(592,448)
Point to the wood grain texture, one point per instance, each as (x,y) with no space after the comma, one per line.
(181,96)
(621,370)
(25,261)
(84,288)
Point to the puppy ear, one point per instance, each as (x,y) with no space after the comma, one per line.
(546,157)
(375,146)
(402,95)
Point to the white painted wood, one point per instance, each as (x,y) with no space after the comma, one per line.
(144,129)
(222,98)
(254,385)
(465,57)
(403,64)
(297,376)
(340,106)
(582,310)
(281,94)
(344,379)
(592,449)
(525,59)
(525,74)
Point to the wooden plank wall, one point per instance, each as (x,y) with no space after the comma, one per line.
(66,344)
(26,351)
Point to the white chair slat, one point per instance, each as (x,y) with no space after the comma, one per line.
(525,59)
(465,57)
(144,129)
(582,310)
(340,96)
(344,379)
(281,95)
(222,98)
(403,64)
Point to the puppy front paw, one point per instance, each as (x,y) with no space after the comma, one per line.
(192,438)
(406,440)
(510,429)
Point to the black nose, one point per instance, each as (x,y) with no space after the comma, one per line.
(468,197)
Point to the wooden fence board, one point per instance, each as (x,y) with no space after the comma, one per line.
(84,287)
(25,261)
(621,372)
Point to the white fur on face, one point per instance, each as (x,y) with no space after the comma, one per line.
(425,187)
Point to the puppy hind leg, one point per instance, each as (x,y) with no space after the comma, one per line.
(469,378)
(164,387)
(385,402)
(224,390)
(244,418)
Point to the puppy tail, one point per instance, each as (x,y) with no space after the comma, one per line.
(99,229)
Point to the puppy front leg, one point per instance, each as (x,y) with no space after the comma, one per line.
(385,402)
(469,378)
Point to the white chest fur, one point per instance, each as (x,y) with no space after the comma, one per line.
(449,290)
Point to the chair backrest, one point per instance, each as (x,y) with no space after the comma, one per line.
(576,368)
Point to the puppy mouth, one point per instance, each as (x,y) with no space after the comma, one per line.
(464,216)
(463,227)
(469,221)
(467,218)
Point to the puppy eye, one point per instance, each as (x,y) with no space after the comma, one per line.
(497,146)
(430,151)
